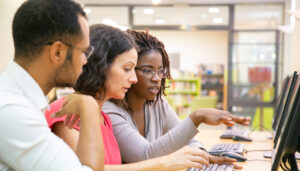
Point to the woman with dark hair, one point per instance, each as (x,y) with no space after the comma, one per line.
(109,73)
(145,120)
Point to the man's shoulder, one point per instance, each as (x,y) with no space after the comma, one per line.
(11,92)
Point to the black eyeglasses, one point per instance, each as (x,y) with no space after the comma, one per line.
(149,73)
(87,52)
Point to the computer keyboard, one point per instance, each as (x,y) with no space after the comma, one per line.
(229,133)
(213,167)
(218,149)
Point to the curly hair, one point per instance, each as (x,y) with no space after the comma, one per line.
(146,44)
(109,43)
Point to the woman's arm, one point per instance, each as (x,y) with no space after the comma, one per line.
(70,136)
(184,158)
(217,117)
(134,147)
(171,121)
(128,136)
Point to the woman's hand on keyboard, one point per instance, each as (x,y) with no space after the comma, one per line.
(224,160)
(217,117)
(186,157)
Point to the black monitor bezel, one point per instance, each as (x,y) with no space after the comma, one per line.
(288,141)
(280,102)
(280,119)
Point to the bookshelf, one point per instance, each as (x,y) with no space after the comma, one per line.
(213,85)
(180,93)
(186,86)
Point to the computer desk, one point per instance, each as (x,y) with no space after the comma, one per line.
(256,161)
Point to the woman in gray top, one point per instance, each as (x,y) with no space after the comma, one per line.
(144,124)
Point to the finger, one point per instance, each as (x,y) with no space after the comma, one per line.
(221,160)
(229,123)
(63,110)
(225,118)
(241,120)
(67,119)
(246,123)
(195,164)
(238,167)
(57,114)
(73,121)
(198,152)
(199,159)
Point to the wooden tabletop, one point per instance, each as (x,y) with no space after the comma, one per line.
(255,160)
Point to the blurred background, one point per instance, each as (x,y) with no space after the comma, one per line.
(225,54)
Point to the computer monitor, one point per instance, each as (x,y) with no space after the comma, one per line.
(289,134)
(281,113)
(280,100)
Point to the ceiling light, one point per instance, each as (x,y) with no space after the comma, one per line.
(218,20)
(202,15)
(155,2)
(214,10)
(148,11)
(87,10)
(112,23)
(273,55)
(160,21)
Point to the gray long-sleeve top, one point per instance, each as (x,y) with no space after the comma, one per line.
(164,131)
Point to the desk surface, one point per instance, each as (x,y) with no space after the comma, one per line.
(256,161)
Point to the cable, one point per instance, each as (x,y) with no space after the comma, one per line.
(290,159)
(246,151)
(257,160)
(281,166)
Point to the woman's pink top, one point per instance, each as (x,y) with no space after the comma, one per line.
(111,150)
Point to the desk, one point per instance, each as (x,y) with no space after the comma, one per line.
(209,137)
(260,142)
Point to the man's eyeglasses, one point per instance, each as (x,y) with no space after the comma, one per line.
(87,52)
(149,73)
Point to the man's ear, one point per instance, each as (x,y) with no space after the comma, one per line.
(58,52)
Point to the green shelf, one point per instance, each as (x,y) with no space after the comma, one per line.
(184,89)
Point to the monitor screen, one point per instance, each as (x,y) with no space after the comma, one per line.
(283,110)
(280,100)
(288,135)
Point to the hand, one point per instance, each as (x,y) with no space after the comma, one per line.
(76,106)
(186,157)
(216,117)
(224,160)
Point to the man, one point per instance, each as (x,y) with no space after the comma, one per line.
(51,39)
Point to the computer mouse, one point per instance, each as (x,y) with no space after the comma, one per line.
(234,155)
(241,138)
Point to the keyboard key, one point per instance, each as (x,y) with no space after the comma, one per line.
(213,167)
(229,133)
(217,149)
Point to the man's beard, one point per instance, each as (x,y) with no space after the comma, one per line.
(66,75)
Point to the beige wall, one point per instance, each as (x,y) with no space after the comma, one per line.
(291,56)
(7,10)
(196,46)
